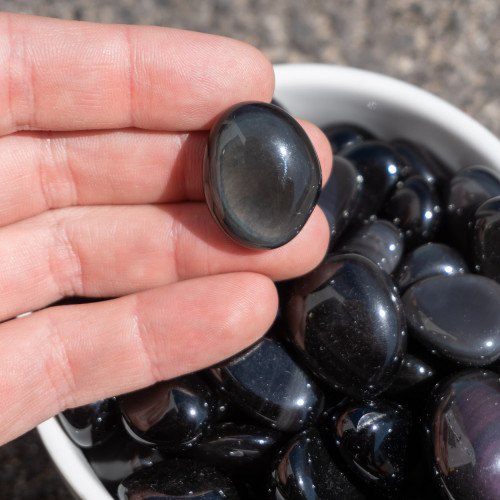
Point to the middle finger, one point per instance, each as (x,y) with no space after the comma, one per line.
(54,170)
(110,251)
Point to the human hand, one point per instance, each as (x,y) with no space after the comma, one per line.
(103,130)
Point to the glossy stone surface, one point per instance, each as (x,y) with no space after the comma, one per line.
(170,414)
(415,207)
(341,196)
(458,316)
(117,458)
(418,161)
(380,167)
(177,479)
(92,424)
(414,374)
(487,239)
(464,435)
(372,437)
(467,190)
(343,135)
(266,383)
(429,259)
(238,447)
(306,471)
(262,176)
(347,325)
(378,240)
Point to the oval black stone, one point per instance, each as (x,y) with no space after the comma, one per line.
(346,323)
(268,385)
(91,424)
(170,414)
(341,196)
(306,471)
(464,435)
(379,240)
(429,259)
(372,437)
(487,239)
(117,458)
(344,135)
(380,167)
(238,447)
(418,161)
(415,207)
(262,177)
(468,189)
(458,316)
(177,478)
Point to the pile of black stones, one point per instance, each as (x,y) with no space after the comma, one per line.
(380,376)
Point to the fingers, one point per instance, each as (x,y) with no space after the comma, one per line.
(48,170)
(66,75)
(112,251)
(79,354)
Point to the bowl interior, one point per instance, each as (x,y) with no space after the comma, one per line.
(324,94)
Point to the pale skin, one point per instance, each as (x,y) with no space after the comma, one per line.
(102,134)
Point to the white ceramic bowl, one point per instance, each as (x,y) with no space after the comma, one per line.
(325,94)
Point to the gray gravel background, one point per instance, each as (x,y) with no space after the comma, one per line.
(450,47)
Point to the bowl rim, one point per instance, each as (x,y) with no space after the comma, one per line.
(67,457)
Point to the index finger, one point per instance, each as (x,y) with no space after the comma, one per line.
(69,75)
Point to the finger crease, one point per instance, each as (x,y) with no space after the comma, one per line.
(59,369)
(65,266)
(145,339)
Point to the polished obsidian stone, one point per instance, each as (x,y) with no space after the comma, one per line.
(341,196)
(271,387)
(415,207)
(467,190)
(238,447)
(306,471)
(92,424)
(418,161)
(372,437)
(177,479)
(487,239)
(343,135)
(464,435)
(380,167)
(262,176)
(346,323)
(414,374)
(458,316)
(117,458)
(429,259)
(379,240)
(170,414)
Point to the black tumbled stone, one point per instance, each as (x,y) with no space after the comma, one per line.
(379,240)
(175,479)
(457,316)
(91,424)
(468,189)
(262,176)
(269,386)
(415,207)
(346,323)
(305,471)
(429,259)
(380,167)
(487,239)
(341,196)
(464,435)
(372,437)
(170,414)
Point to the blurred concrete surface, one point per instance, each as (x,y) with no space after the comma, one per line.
(450,47)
